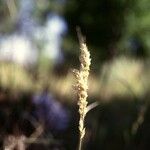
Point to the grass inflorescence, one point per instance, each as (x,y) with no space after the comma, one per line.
(81,76)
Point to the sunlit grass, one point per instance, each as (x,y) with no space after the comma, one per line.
(14,77)
(125,77)
(122,77)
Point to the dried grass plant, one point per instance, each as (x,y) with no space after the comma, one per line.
(81,86)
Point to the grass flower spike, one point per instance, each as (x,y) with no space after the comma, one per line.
(82,84)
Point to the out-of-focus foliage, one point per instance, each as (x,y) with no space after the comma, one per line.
(14,77)
(136,35)
(124,77)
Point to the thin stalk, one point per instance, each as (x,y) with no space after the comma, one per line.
(80,144)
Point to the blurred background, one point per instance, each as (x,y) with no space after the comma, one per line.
(38,50)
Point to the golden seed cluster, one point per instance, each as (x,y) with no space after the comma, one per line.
(82,85)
